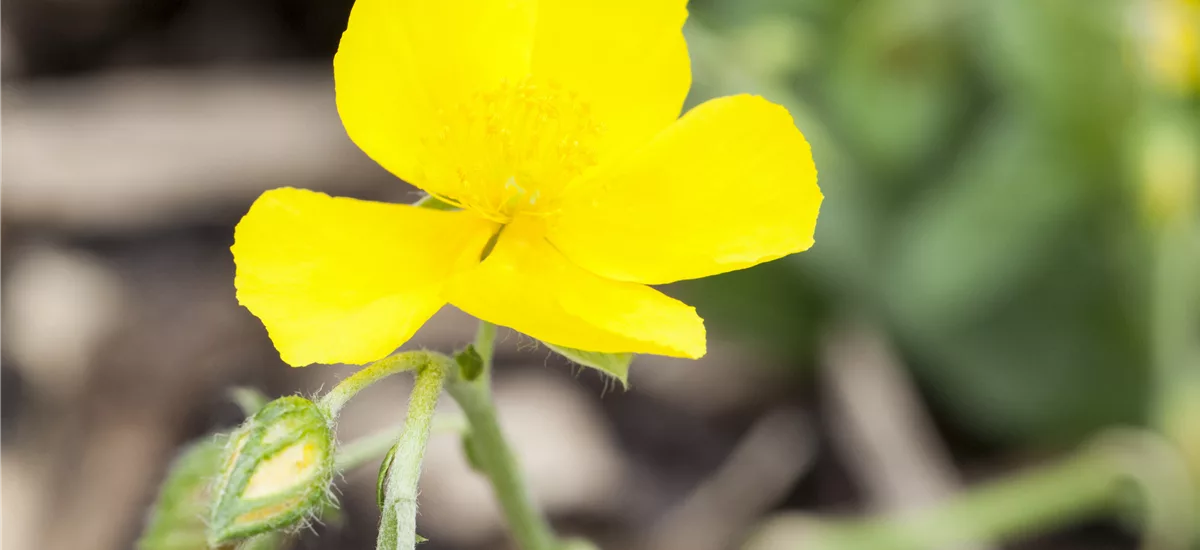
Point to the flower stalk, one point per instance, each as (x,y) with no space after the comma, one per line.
(337,398)
(398,526)
(485,442)
(1051,495)
(1097,480)
(490,452)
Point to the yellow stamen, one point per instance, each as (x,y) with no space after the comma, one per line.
(535,137)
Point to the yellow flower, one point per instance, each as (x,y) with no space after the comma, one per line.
(554,125)
(1174,44)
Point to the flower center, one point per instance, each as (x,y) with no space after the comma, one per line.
(513,149)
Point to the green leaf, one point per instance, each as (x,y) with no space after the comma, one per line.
(893,89)
(968,243)
(381,480)
(1055,59)
(470,363)
(613,364)
(1002,283)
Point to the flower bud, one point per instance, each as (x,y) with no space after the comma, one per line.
(277,469)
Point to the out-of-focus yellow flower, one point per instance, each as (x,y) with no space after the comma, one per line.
(1174,44)
(554,125)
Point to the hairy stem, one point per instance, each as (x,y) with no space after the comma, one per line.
(398,526)
(333,401)
(490,450)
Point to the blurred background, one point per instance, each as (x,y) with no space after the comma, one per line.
(992,345)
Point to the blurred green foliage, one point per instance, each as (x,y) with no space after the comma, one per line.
(982,200)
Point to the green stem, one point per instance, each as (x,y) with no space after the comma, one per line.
(249,400)
(398,526)
(488,446)
(485,346)
(1171,509)
(492,455)
(333,401)
(1173,318)
(1047,496)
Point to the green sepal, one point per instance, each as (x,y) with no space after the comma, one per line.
(433,203)
(384,468)
(421,539)
(176,521)
(470,363)
(276,471)
(613,364)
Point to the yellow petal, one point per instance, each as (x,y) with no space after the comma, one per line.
(730,185)
(528,286)
(403,65)
(495,105)
(626,59)
(338,280)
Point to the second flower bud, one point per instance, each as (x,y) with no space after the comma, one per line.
(276,473)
